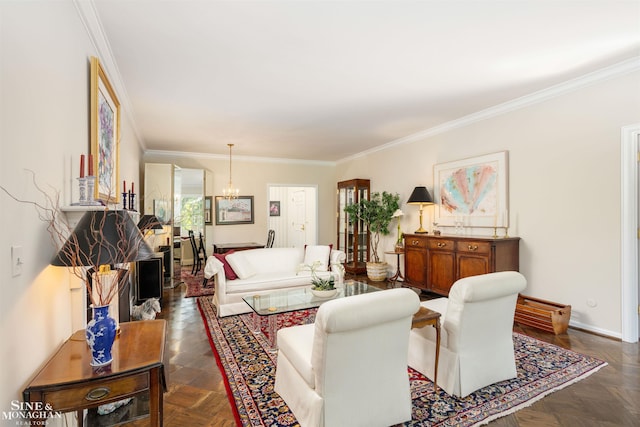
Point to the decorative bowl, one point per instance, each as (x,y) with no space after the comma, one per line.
(324,294)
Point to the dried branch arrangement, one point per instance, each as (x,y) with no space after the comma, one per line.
(101,239)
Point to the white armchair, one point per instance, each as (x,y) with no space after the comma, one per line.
(350,367)
(476,347)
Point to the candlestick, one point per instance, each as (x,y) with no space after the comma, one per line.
(91,182)
(81,165)
(87,187)
(124,200)
(82,184)
(90,166)
(131,201)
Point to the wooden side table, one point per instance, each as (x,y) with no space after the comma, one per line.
(422,318)
(398,276)
(69,383)
(221,248)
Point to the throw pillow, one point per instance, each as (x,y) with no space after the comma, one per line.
(317,253)
(228,271)
(241,265)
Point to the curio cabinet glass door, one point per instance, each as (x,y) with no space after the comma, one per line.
(353,237)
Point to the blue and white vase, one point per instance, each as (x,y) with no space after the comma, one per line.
(101,332)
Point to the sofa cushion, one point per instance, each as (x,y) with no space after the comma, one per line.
(297,343)
(228,271)
(273,260)
(319,254)
(241,265)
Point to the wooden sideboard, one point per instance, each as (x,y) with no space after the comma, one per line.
(434,263)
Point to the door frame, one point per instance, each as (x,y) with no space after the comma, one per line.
(315,200)
(629,232)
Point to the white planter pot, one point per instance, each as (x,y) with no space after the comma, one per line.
(324,294)
(377,271)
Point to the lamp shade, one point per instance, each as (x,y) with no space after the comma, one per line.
(420,195)
(103,237)
(149,222)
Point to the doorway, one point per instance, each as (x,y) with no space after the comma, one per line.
(293,215)
(188,200)
(630,289)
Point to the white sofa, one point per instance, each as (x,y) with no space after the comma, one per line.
(264,270)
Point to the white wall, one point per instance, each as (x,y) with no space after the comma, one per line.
(564,162)
(44,122)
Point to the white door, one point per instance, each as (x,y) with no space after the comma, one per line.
(298,232)
(295,223)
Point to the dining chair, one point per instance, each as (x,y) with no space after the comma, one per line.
(271,236)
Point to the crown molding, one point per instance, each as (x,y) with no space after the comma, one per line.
(225,157)
(89,18)
(601,75)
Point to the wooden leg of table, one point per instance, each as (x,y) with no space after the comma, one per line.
(435,375)
(80,415)
(155,399)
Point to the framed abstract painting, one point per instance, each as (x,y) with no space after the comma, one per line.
(105,134)
(472,192)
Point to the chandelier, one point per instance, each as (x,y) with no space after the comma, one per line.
(230,192)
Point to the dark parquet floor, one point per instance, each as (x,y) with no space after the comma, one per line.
(197,395)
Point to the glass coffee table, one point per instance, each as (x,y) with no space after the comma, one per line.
(272,303)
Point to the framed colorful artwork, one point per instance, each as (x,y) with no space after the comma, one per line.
(472,192)
(234,211)
(274,208)
(161,210)
(105,134)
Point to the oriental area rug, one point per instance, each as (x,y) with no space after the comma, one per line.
(193,282)
(249,371)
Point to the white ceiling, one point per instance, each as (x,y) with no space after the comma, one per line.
(325,80)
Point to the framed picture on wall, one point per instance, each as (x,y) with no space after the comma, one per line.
(208,210)
(274,208)
(234,211)
(472,192)
(105,135)
(161,210)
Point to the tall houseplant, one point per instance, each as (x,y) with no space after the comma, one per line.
(376,214)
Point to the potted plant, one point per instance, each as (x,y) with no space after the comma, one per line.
(376,213)
(320,287)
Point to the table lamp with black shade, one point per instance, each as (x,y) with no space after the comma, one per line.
(102,239)
(420,196)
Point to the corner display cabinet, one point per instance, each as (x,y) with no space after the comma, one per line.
(353,238)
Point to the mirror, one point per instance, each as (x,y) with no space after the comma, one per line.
(176,196)
(188,212)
